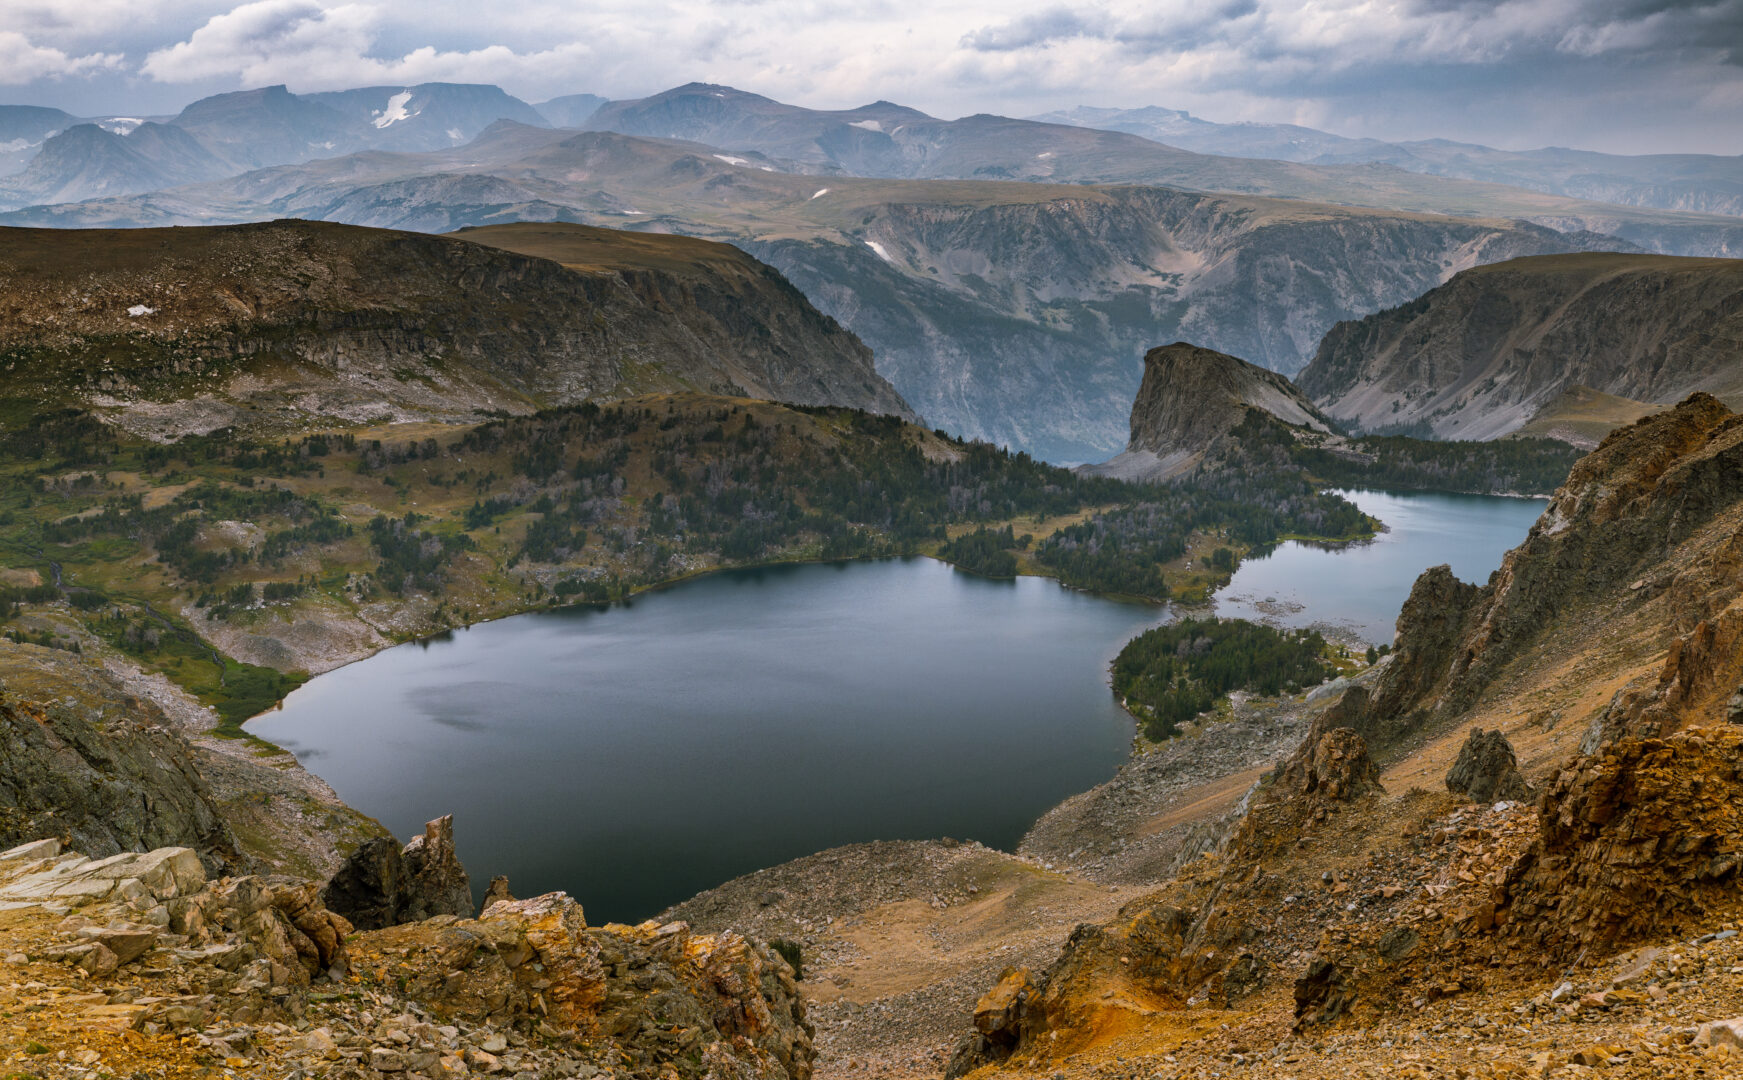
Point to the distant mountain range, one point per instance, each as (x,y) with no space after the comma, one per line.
(233,133)
(1008,274)
(1705,183)
(893,141)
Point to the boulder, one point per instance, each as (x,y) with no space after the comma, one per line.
(1486,770)
(1323,993)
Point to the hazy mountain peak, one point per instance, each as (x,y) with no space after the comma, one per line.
(570,110)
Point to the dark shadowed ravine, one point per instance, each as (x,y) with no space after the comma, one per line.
(637,754)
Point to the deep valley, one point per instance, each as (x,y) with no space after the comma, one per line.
(1107,596)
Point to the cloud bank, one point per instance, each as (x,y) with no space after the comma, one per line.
(1620,75)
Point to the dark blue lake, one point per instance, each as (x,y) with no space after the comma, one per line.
(638,754)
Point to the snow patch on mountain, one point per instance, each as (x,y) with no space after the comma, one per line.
(395,111)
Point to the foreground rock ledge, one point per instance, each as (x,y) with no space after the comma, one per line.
(151,969)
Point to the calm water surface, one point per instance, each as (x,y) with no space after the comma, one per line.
(1360,587)
(638,754)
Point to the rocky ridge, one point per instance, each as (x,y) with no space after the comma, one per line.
(1011,312)
(282,324)
(1647,522)
(1190,401)
(1483,354)
(108,784)
(1344,908)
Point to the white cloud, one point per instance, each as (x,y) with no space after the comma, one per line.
(1513,71)
(23,62)
(311,47)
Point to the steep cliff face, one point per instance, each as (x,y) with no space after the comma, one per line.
(276,324)
(1190,400)
(1483,354)
(742,314)
(109,785)
(1022,320)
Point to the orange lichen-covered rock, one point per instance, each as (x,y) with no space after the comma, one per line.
(1644,839)
(571,988)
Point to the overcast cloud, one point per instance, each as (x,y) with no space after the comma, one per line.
(1618,75)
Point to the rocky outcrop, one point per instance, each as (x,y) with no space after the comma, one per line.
(1651,515)
(1486,769)
(662,995)
(1000,1018)
(1394,705)
(1334,766)
(134,904)
(105,786)
(1323,993)
(496,890)
(383,885)
(257,972)
(1190,401)
(1645,839)
(296,319)
(436,882)
(1481,355)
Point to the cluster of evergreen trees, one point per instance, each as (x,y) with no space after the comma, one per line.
(1171,674)
(173,529)
(1517,466)
(985,551)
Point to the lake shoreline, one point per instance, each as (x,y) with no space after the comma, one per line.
(921,644)
(1133,748)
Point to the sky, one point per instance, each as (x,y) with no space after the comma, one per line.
(1623,76)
